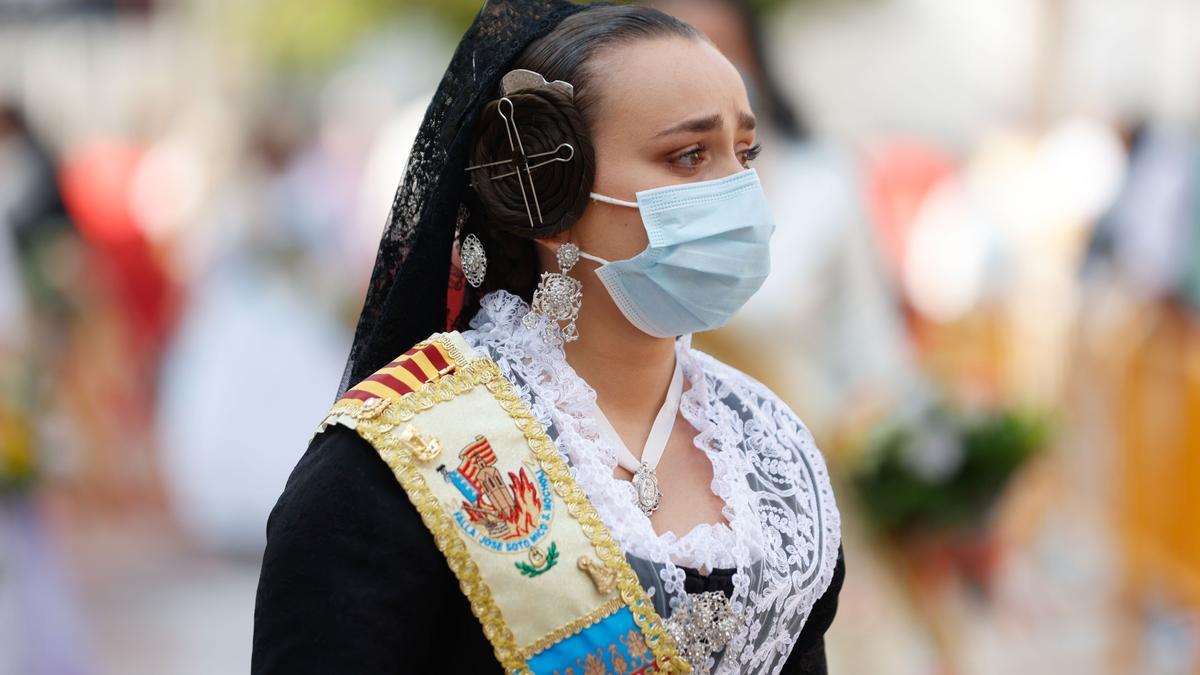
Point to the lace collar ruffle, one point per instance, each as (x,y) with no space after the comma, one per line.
(707,545)
(782,529)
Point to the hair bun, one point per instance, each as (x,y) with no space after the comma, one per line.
(545,118)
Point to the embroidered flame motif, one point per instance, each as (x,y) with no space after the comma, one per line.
(528,504)
(508,512)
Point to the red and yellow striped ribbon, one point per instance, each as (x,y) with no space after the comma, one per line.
(408,373)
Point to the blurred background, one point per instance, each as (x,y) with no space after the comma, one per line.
(984,303)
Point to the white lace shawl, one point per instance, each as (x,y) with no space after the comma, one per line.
(783,529)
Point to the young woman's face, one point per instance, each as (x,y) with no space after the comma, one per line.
(670,111)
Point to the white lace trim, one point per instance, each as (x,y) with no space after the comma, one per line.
(783,528)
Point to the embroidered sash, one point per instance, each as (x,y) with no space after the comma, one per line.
(542,572)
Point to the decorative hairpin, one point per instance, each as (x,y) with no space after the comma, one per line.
(513,81)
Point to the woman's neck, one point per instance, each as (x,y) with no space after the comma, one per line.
(630,370)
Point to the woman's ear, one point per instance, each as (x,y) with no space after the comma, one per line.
(553,242)
(547,250)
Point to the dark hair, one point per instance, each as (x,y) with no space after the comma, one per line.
(547,117)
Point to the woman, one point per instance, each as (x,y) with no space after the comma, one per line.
(610,213)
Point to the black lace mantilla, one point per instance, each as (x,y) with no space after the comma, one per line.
(407,296)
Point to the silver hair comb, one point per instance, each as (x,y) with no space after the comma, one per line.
(513,81)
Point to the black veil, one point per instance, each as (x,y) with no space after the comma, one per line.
(407,295)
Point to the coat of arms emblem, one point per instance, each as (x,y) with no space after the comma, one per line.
(506,512)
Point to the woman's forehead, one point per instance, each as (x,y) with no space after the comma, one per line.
(652,84)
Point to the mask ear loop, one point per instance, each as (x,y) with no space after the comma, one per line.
(612,200)
(608,200)
(594,258)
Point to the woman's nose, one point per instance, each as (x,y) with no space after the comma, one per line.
(728,165)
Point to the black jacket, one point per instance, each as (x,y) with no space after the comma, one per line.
(352,582)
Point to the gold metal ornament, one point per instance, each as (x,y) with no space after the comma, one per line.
(537,556)
(372,408)
(604,578)
(423,447)
(540,561)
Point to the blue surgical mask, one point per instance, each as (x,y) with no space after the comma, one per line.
(708,253)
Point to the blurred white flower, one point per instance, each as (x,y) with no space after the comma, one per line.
(934,455)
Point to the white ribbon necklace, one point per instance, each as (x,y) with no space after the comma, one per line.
(645,480)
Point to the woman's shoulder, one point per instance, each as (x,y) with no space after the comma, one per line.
(339,480)
(341,472)
(335,455)
(342,499)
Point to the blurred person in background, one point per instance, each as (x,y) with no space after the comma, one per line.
(40,627)
(551,119)
(270,251)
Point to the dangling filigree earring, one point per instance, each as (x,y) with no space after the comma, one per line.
(474,260)
(558,297)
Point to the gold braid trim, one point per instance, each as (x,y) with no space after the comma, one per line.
(567,630)
(375,427)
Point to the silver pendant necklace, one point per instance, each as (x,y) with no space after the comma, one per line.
(647,494)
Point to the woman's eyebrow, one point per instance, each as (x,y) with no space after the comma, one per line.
(708,123)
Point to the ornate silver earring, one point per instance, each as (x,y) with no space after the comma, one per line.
(558,297)
(474,260)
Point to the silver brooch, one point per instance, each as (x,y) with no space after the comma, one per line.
(474,260)
(703,626)
(645,485)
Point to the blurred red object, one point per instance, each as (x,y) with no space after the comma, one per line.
(96,180)
(900,174)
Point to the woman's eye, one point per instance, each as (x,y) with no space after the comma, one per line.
(750,154)
(691,158)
